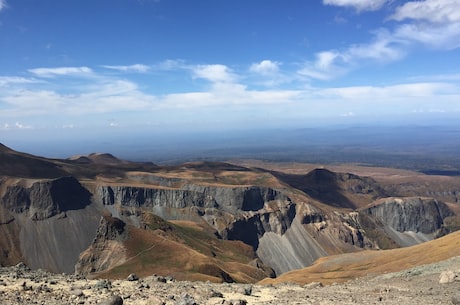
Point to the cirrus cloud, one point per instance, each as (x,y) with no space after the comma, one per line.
(436,11)
(140,68)
(61,71)
(2,4)
(359,5)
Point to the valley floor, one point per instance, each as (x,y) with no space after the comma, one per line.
(420,285)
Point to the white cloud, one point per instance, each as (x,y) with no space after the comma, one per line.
(101,97)
(434,23)
(436,11)
(443,37)
(359,5)
(14,80)
(22,126)
(132,68)
(412,90)
(328,65)
(334,63)
(229,94)
(214,73)
(61,71)
(265,67)
(2,4)
(171,64)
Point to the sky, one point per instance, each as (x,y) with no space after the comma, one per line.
(88,68)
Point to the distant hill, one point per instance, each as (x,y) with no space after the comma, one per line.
(17,164)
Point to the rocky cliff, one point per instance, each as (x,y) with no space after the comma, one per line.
(410,220)
(54,221)
(107,250)
(46,198)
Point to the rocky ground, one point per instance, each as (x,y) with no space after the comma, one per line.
(429,284)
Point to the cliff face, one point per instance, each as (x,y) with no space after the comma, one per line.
(231,199)
(410,220)
(47,198)
(47,222)
(106,250)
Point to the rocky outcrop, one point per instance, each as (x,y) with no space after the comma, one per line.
(410,220)
(251,227)
(231,199)
(46,198)
(106,250)
(425,215)
(47,222)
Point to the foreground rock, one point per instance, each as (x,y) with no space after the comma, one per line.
(420,285)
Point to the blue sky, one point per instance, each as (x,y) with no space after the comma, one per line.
(92,67)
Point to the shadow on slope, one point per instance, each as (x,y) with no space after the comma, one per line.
(17,164)
(320,184)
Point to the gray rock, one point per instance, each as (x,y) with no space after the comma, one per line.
(132,277)
(245,290)
(186,299)
(113,300)
(455,300)
(216,294)
(103,284)
(76,292)
(415,214)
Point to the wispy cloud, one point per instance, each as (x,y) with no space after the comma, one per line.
(61,71)
(2,4)
(359,5)
(14,80)
(139,68)
(171,64)
(435,11)
(386,47)
(432,23)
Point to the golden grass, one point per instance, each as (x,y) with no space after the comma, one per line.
(343,267)
(186,251)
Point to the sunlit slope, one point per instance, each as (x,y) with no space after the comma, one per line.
(340,268)
(186,251)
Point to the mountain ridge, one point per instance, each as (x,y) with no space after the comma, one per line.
(287,220)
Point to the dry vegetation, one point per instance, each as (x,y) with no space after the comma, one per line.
(184,251)
(344,267)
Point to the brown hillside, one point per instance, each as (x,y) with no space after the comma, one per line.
(344,267)
(185,251)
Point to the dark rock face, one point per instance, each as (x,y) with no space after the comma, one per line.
(250,230)
(425,215)
(110,228)
(106,248)
(45,199)
(229,199)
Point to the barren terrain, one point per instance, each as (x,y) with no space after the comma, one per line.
(420,285)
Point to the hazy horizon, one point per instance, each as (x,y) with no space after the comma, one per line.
(105,69)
